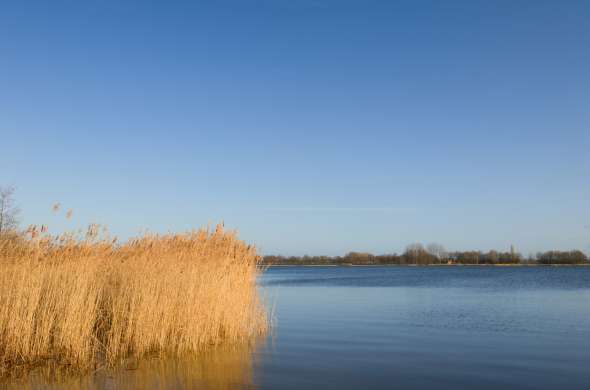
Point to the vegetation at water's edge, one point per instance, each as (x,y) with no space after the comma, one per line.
(434,254)
(86,300)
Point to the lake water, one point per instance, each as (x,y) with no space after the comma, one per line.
(428,327)
(398,327)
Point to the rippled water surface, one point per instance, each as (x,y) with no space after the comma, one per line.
(394,328)
(428,327)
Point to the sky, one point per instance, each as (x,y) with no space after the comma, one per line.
(312,126)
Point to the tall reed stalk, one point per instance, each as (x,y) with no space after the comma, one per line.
(88,301)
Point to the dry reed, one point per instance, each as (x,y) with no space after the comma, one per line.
(87,301)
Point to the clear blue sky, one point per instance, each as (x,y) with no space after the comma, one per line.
(311,126)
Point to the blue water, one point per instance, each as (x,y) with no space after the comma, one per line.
(426,328)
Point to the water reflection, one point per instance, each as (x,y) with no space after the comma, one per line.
(218,368)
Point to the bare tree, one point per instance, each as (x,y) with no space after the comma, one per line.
(8,211)
(493,256)
(414,252)
(437,250)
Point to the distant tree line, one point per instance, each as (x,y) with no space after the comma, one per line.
(433,254)
(558,257)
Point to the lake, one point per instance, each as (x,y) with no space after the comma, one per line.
(397,327)
(428,327)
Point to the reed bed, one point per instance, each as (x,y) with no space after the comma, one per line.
(89,301)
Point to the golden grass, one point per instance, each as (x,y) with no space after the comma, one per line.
(87,301)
